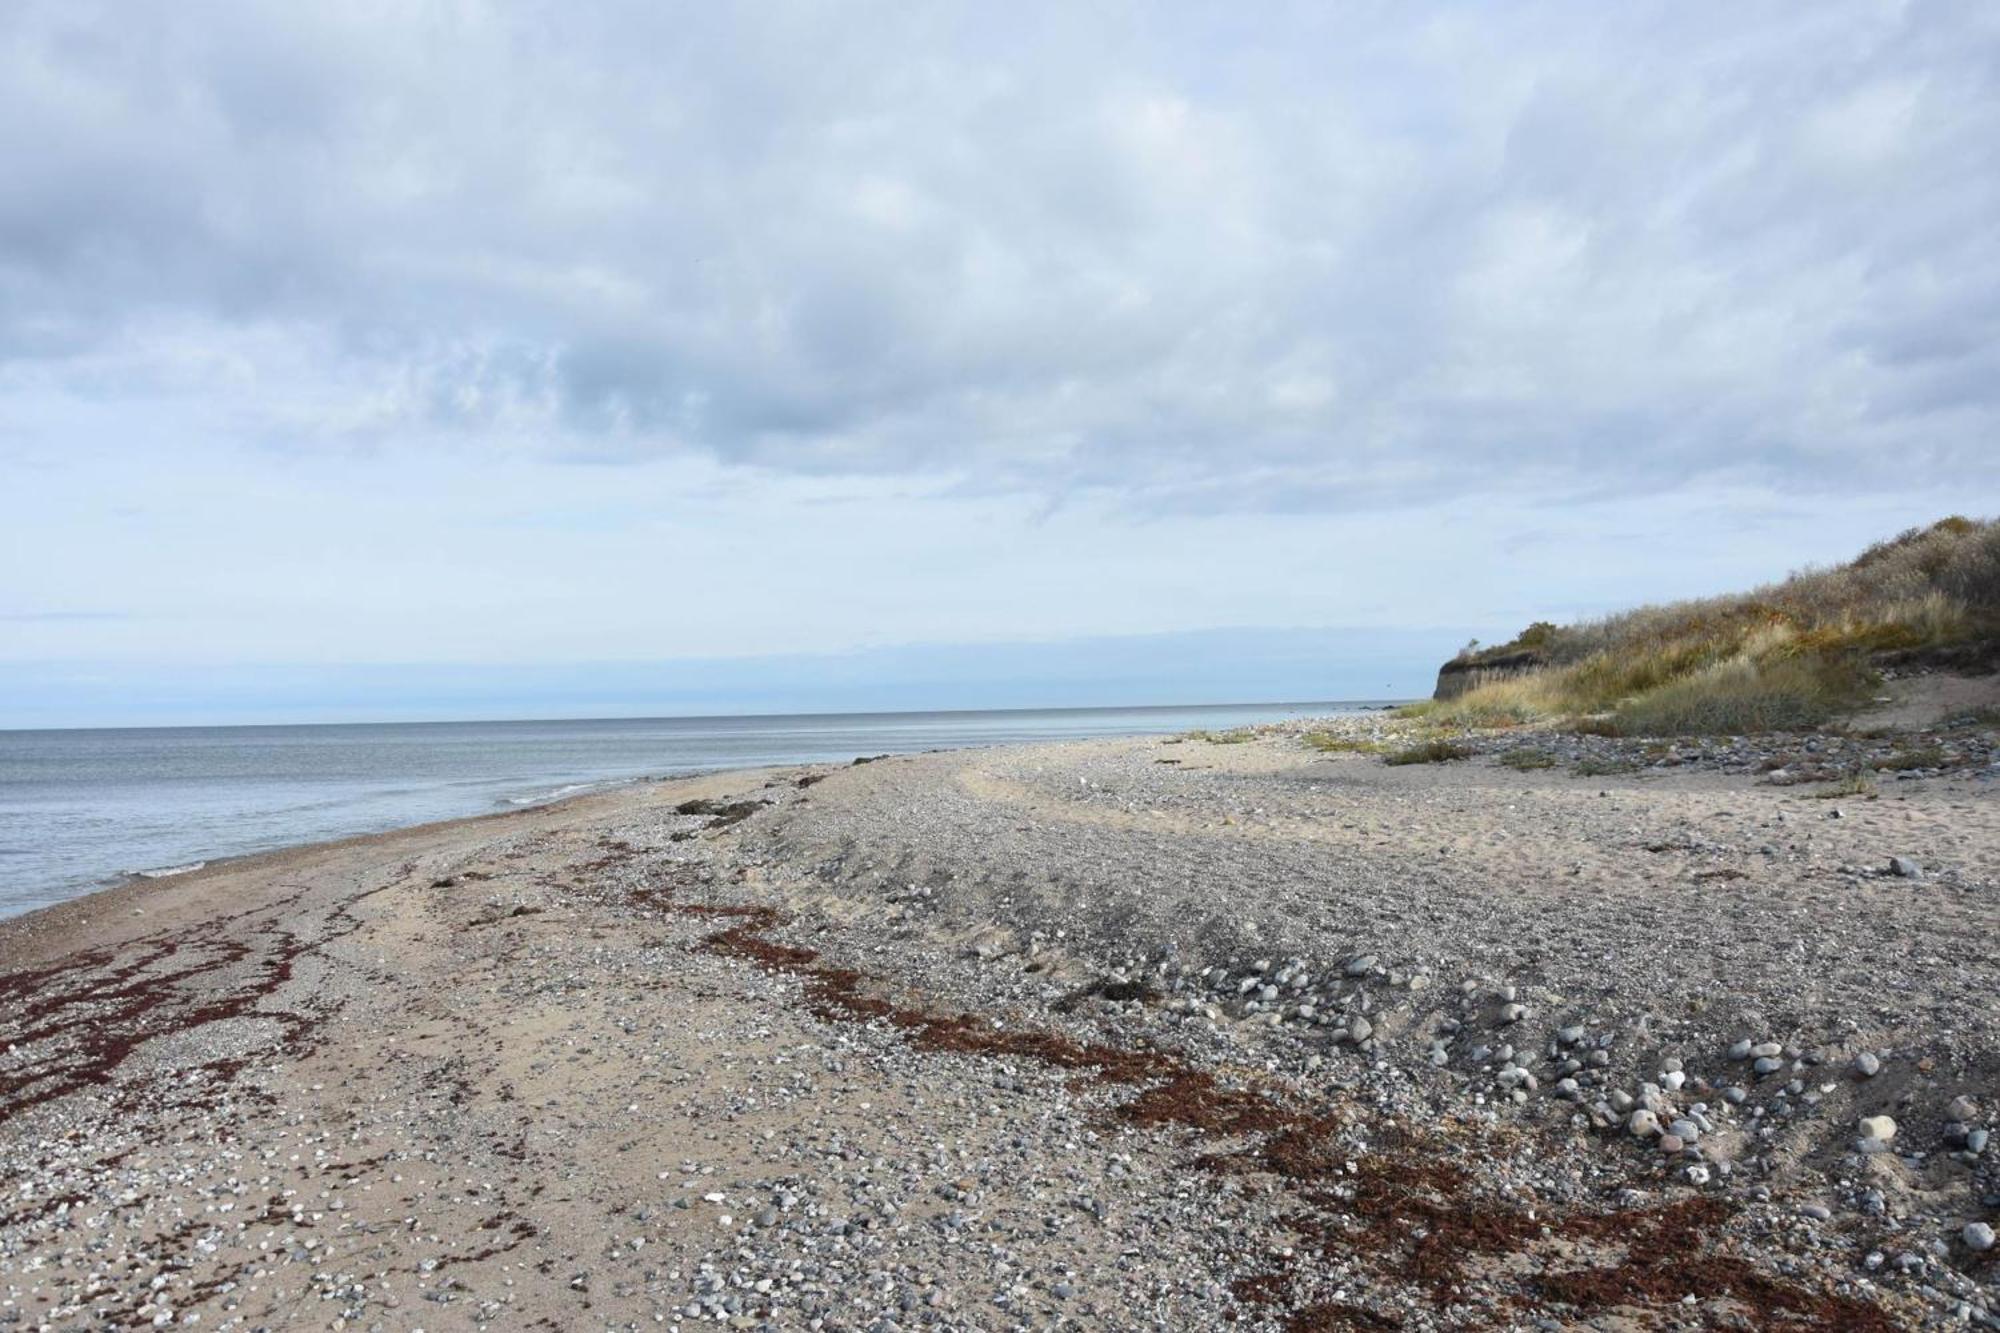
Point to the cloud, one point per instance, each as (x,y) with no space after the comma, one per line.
(1292,261)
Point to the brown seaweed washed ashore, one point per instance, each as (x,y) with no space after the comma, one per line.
(1039,1037)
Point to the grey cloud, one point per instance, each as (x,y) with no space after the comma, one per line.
(1281,259)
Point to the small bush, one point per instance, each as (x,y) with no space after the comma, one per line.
(1929,756)
(1328,742)
(1854,784)
(1235,736)
(1602,768)
(1428,752)
(1524,761)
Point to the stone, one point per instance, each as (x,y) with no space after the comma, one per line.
(1879,1127)
(1570,1035)
(1978,1236)
(1975,1141)
(1360,967)
(1643,1124)
(1359,1029)
(1767,1064)
(1685,1130)
(1764,1050)
(1740,1049)
(1512,1013)
(1902,867)
(1817,1212)
(1867,1064)
(1963,1108)
(1670,1144)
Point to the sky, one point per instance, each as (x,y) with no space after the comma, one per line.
(467,358)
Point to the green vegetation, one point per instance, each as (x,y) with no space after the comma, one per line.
(1788,656)
(1330,743)
(1524,761)
(1603,768)
(1234,736)
(1428,752)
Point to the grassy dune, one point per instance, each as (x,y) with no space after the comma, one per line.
(1789,655)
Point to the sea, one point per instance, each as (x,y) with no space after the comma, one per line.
(80,809)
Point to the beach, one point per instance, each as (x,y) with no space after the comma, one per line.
(1157,1032)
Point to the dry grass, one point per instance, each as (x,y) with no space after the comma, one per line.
(1784,657)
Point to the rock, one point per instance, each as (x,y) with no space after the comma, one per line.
(1360,967)
(1879,1127)
(1817,1212)
(1867,1065)
(1570,1035)
(1963,1108)
(1767,1064)
(1902,867)
(1764,1050)
(1975,1141)
(1512,1013)
(1740,1049)
(1643,1124)
(1671,1144)
(1687,1131)
(1359,1029)
(1978,1236)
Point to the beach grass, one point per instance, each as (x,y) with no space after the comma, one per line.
(1790,656)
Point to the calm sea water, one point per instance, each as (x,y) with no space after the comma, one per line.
(81,808)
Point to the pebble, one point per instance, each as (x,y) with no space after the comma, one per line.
(1978,1236)
(1878,1127)
(1904,868)
(1867,1065)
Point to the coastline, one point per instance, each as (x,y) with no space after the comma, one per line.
(752,984)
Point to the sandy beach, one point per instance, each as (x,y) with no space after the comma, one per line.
(1151,1033)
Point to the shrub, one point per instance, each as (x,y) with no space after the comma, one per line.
(1929,756)
(1235,736)
(1331,743)
(1602,768)
(1428,752)
(1854,784)
(1526,760)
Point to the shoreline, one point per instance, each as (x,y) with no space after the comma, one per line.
(83,813)
(1303,967)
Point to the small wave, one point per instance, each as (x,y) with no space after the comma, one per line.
(165,872)
(571,789)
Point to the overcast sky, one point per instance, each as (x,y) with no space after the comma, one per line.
(501,336)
